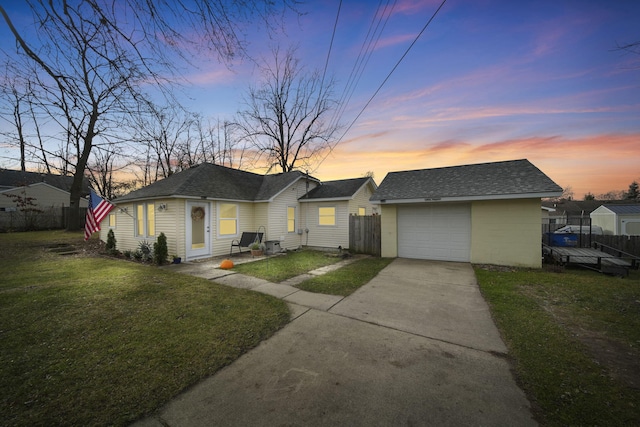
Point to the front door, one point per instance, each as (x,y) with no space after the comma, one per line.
(198,230)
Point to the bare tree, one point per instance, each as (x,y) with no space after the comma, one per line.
(285,117)
(90,60)
(14,102)
(162,132)
(218,143)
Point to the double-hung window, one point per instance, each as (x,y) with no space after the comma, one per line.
(327,215)
(228,219)
(145,220)
(291,219)
(112,220)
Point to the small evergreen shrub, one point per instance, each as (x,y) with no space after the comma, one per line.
(110,247)
(160,251)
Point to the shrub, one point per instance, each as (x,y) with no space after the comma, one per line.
(145,250)
(160,251)
(110,247)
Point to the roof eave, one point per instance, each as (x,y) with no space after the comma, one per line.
(179,196)
(326,199)
(467,198)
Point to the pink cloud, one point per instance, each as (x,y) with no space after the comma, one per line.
(595,164)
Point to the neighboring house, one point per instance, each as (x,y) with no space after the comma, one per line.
(485,213)
(570,211)
(42,195)
(326,210)
(618,219)
(203,209)
(30,200)
(47,190)
(14,178)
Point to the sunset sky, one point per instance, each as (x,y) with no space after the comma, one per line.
(488,80)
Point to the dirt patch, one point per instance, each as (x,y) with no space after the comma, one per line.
(621,360)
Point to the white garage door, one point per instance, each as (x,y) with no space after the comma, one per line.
(438,232)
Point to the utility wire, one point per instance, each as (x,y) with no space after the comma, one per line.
(356,66)
(333,35)
(366,58)
(384,81)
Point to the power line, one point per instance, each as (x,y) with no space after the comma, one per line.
(384,81)
(366,49)
(333,35)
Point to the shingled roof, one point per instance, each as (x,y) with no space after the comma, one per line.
(498,180)
(216,182)
(10,178)
(340,189)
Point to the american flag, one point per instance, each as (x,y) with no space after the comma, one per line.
(96,211)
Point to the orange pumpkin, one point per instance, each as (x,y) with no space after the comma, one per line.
(226,264)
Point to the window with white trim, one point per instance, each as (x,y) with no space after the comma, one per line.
(291,219)
(145,220)
(362,211)
(327,215)
(112,220)
(228,219)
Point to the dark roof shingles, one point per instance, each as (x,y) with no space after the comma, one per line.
(478,180)
(336,189)
(216,182)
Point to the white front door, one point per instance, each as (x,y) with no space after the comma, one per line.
(198,230)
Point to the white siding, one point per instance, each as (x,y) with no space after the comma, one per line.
(324,235)
(361,199)
(170,222)
(277,224)
(221,245)
(43,195)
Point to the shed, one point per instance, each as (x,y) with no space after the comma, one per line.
(482,213)
(621,220)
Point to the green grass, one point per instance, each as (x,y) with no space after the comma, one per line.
(94,341)
(279,268)
(347,279)
(549,320)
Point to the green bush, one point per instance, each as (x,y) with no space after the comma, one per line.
(160,251)
(111,243)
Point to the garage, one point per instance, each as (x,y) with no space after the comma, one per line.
(435,231)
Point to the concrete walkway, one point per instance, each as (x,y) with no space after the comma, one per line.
(415,346)
(299,300)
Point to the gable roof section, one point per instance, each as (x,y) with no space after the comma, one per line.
(343,189)
(484,181)
(15,178)
(272,185)
(216,182)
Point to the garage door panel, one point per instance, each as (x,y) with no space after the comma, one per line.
(439,232)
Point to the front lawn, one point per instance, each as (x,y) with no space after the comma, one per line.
(347,279)
(575,340)
(87,340)
(278,268)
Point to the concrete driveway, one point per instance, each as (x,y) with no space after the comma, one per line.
(415,346)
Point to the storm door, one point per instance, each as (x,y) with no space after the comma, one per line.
(198,230)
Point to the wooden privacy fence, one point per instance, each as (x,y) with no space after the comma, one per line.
(628,244)
(364,234)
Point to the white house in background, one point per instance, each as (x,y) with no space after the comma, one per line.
(202,210)
(45,190)
(621,220)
